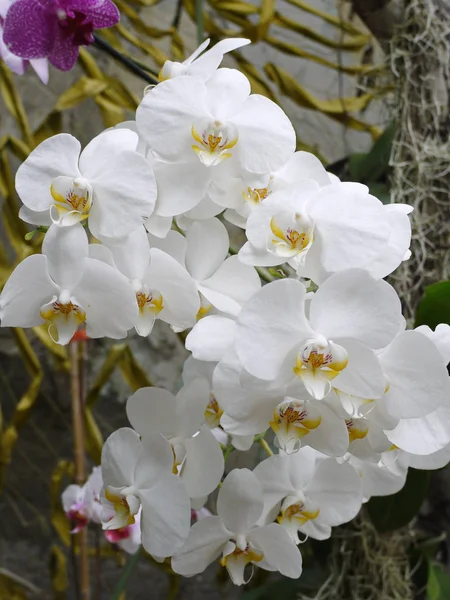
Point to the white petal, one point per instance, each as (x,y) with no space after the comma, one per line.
(363,376)
(73,494)
(352,304)
(242,442)
(337,490)
(167,113)
(257,257)
(240,502)
(192,401)
(204,545)
(207,248)
(418,379)
(66,249)
(108,299)
(174,244)
(204,465)
(206,64)
(180,297)
(440,337)
(211,337)
(195,369)
(227,91)
(155,460)
(351,224)
(55,156)
(158,225)
(120,454)
(331,436)
(181,186)
(303,166)
(423,435)
(282,475)
(280,552)
(397,245)
(205,209)
(270,326)
(152,410)
(377,480)
(263,125)
(104,149)
(131,254)
(124,194)
(27,289)
(101,253)
(35,217)
(166,515)
(231,286)
(248,425)
(437,460)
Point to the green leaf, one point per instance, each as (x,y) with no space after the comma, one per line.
(392,512)
(438,587)
(310,581)
(288,590)
(356,166)
(434,308)
(373,165)
(380,190)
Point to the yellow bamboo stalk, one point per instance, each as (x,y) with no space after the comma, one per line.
(80,467)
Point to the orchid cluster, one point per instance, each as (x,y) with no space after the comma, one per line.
(319,358)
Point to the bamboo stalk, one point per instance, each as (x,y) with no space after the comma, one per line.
(80,467)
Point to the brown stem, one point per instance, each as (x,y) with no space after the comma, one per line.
(80,468)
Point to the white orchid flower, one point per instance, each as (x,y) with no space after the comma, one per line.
(201,130)
(252,405)
(323,230)
(200,63)
(66,288)
(139,475)
(181,419)
(224,283)
(350,316)
(81,503)
(241,196)
(108,183)
(309,494)
(235,535)
(163,288)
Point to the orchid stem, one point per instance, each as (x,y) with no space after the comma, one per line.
(199,21)
(127,62)
(265,447)
(80,468)
(126,573)
(174,587)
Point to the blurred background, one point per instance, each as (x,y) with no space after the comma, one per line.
(366,85)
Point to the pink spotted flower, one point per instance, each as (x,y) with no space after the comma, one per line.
(55,29)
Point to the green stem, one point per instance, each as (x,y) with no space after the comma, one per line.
(199,20)
(126,573)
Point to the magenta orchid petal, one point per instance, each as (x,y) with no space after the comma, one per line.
(103,13)
(29,29)
(64,54)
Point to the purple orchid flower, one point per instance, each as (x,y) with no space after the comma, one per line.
(55,29)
